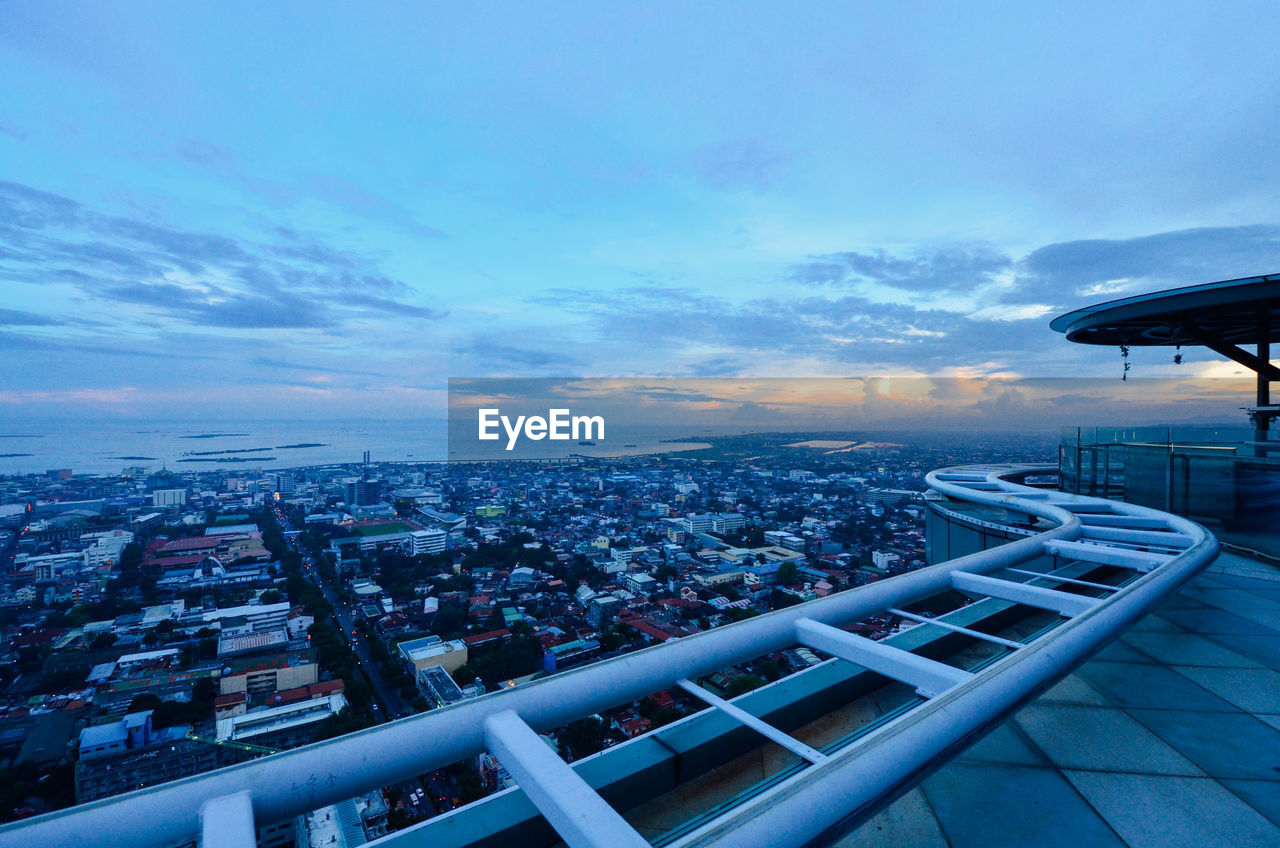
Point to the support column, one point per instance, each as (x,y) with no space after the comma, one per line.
(1263,425)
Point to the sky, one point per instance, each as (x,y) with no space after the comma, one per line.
(328,210)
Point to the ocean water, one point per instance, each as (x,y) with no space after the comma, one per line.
(107,447)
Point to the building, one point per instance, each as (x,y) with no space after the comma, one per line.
(286,483)
(286,726)
(427,542)
(603,609)
(432,650)
(258,677)
(885,560)
(728,522)
(165,498)
(641,583)
(361,492)
(438,687)
(131,754)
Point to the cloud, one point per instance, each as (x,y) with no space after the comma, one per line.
(926,310)
(271,310)
(1077,272)
(737,165)
(395,307)
(953,267)
(17,318)
(501,357)
(293,281)
(842,329)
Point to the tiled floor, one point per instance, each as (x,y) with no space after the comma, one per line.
(1169,737)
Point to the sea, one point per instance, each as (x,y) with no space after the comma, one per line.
(110,446)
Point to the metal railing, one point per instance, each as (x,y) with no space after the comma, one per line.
(831,791)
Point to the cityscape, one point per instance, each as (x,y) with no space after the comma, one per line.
(162,623)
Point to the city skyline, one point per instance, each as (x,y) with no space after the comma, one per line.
(308,212)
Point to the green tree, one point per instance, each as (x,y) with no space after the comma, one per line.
(788,573)
(743,684)
(584,737)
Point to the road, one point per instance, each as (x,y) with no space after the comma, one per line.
(393,706)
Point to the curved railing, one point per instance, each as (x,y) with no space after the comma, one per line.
(1149,553)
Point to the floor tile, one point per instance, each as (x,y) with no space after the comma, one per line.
(1073,690)
(1086,737)
(1254,690)
(1186,649)
(1226,745)
(1174,812)
(1005,744)
(907,821)
(1150,686)
(991,806)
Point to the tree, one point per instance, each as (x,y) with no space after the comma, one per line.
(743,684)
(584,737)
(103,641)
(788,573)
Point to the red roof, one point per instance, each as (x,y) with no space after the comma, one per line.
(649,630)
(483,638)
(43,636)
(663,699)
(634,727)
(186,559)
(191,543)
(306,693)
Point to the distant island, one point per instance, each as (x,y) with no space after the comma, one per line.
(295,446)
(221,452)
(212,435)
(138,457)
(7,455)
(229,458)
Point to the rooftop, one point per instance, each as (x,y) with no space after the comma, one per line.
(1169,736)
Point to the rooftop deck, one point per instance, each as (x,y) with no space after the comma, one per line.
(1170,736)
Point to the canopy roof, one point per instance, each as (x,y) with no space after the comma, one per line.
(1231,312)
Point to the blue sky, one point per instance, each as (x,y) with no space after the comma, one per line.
(326,210)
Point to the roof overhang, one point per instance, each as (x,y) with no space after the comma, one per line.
(1234,312)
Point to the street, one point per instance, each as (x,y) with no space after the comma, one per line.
(393,705)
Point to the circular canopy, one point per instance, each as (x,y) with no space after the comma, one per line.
(1232,311)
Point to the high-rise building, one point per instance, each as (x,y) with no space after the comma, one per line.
(362,492)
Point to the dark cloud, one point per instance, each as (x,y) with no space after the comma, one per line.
(500,357)
(736,165)
(395,307)
(1000,331)
(952,268)
(271,310)
(17,318)
(821,272)
(295,281)
(957,267)
(848,328)
(271,362)
(1074,273)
